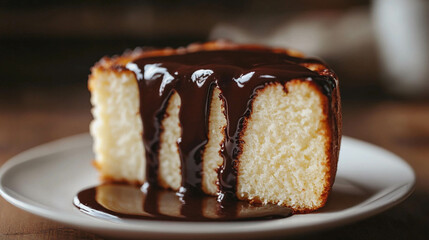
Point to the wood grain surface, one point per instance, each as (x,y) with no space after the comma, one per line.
(29,117)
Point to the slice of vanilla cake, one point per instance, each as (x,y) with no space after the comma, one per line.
(241,121)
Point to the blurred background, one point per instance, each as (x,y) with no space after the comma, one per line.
(378,48)
(373,45)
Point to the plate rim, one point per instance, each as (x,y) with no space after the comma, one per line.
(151,228)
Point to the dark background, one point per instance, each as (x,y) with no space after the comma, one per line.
(54,43)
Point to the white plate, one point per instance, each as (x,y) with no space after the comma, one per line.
(45,179)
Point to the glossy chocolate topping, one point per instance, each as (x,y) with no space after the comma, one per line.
(115,202)
(238,73)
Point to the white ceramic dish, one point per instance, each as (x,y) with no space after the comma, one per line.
(45,179)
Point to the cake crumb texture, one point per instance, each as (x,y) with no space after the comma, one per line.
(117,126)
(285,155)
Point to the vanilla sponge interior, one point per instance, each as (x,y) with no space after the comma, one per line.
(117,126)
(285,151)
(285,155)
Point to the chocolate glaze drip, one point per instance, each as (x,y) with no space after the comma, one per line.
(115,202)
(238,73)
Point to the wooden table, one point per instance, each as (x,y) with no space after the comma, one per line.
(29,117)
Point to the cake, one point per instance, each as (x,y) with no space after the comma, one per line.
(243,122)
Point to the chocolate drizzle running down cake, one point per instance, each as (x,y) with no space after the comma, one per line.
(234,121)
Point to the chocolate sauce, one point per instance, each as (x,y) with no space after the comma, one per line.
(116,201)
(238,73)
